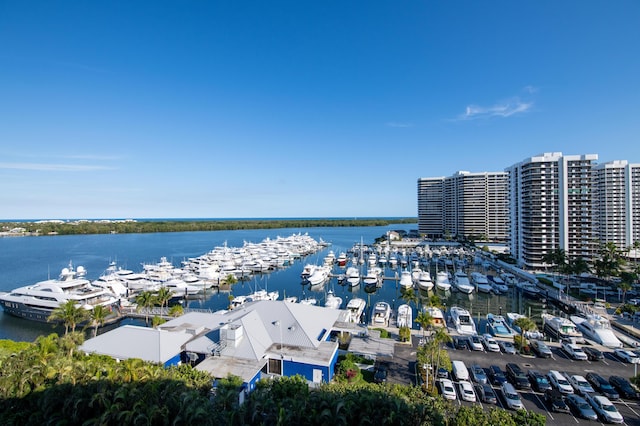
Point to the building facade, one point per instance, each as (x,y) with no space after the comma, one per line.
(551,204)
(470,205)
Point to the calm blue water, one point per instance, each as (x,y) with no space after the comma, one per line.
(26,260)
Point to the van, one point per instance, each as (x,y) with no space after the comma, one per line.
(459,371)
(516,376)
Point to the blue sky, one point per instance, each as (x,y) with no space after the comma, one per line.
(121,109)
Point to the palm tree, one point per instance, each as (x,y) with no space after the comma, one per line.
(98,317)
(525,324)
(557,258)
(69,313)
(176,310)
(424,319)
(146,299)
(409,296)
(163,295)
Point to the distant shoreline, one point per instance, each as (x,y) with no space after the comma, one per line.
(131,226)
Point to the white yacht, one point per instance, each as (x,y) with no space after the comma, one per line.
(405,279)
(356,307)
(499,285)
(332,301)
(437,316)
(462,321)
(353,276)
(481,282)
(561,328)
(462,283)
(381,313)
(424,281)
(319,275)
(37,301)
(405,316)
(597,328)
(442,281)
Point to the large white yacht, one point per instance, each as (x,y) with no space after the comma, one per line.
(462,283)
(462,321)
(561,328)
(37,301)
(597,328)
(356,307)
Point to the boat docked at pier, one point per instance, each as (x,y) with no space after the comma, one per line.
(37,301)
(481,282)
(462,321)
(424,281)
(404,316)
(406,282)
(498,327)
(442,281)
(353,276)
(437,316)
(381,313)
(462,283)
(597,328)
(356,307)
(332,301)
(561,328)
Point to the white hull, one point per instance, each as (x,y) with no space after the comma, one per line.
(405,316)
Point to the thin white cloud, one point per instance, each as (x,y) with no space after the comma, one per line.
(505,109)
(399,125)
(40,167)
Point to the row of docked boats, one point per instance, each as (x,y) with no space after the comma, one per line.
(116,286)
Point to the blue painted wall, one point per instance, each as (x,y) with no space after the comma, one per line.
(173,361)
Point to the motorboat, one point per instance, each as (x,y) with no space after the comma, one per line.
(179,288)
(381,313)
(309,301)
(415,274)
(597,328)
(481,282)
(462,283)
(342,259)
(332,301)
(356,307)
(561,328)
(405,279)
(263,295)
(437,316)
(353,276)
(373,276)
(498,327)
(512,317)
(424,281)
(405,316)
(498,285)
(37,301)
(442,281)
(528,289)
(462,321)
(319,275)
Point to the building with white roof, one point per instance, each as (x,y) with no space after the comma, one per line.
(259,339)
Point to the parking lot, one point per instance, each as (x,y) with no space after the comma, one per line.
(559,361)
(404,361)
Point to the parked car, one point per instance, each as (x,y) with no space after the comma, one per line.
(477,374)
(496,375)
(447,390)
(593,354)
(517,377)
(580,384)
(540,348)
(601,385)
(555,401)
(605,409)
(466,391)
(507,347)
(486,394)
(475,343)
(461,342)
(624,387)
(381,373)
(538,381)
(490,343)
(443,373)
(627,356)
(559,382)
(573,351)
(580,407)
(511,397)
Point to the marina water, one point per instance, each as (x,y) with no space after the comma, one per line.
(27,260)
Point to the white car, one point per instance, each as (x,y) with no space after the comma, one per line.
(447,389)
(560,382)
(580,384)
(574,351)
(475,342)
(466,391)
(511,397)
(605,409)
(490,344)
(627,356)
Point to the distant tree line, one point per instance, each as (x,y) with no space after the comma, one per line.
(130,227)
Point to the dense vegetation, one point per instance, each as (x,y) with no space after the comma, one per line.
(128,227)
(50,382)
